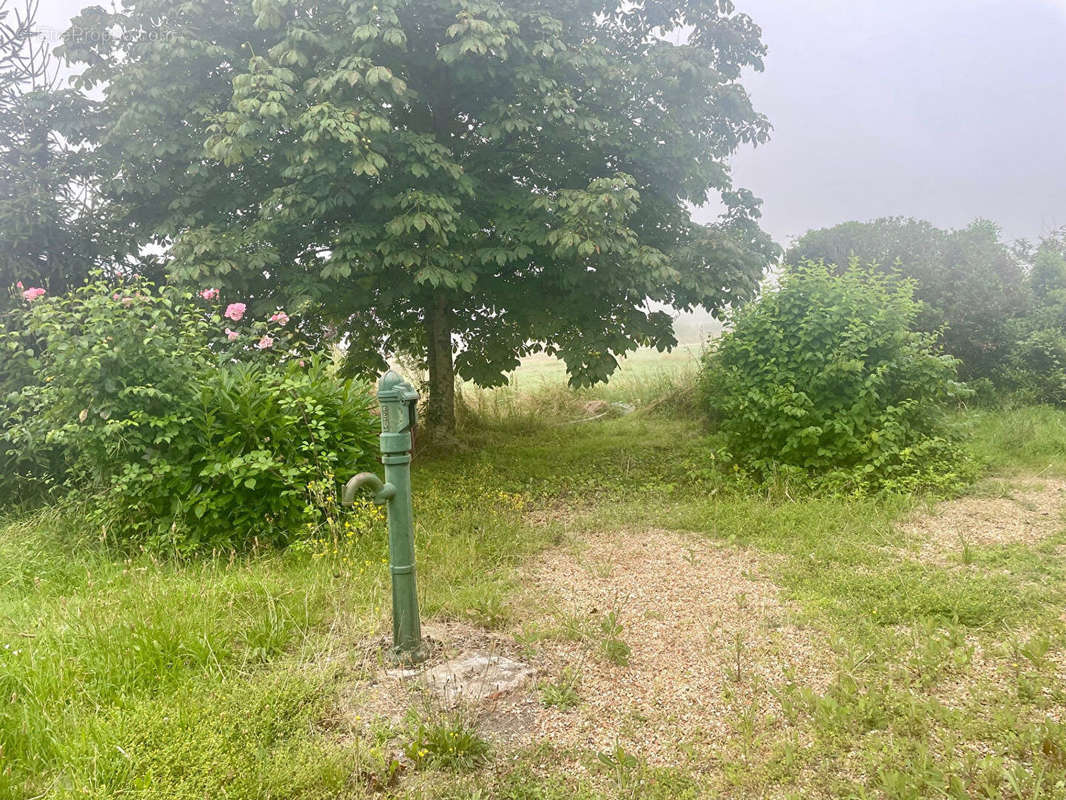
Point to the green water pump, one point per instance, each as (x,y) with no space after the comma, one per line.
(398,401)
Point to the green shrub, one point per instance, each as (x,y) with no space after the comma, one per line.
(1037,364)
(188,436)
(970,282)
(248,462)
(824,377)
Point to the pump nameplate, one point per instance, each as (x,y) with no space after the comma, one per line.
(394,418)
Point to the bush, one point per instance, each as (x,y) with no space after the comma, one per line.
(1037,365)
(250,461)
(187,436)
(971,284)
(103,375)
(825,377)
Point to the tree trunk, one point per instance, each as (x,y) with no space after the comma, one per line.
(440,410)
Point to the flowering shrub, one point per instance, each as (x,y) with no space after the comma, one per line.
(191,437)
(235,311)
(824,378)
(249,461)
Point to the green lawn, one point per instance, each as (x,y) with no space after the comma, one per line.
(136,677)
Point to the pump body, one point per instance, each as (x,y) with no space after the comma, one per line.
(398,401)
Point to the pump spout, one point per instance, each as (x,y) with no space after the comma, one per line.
(383,492)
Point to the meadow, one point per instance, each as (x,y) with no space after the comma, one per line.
(886,646)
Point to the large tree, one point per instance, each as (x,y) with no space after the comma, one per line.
(460,180)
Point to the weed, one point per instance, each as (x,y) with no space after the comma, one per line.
(562,693)
(691,557)
(621,764)
(444,739)
(572,627)
(738,657)
(613,648)
(967,551)
(378,768)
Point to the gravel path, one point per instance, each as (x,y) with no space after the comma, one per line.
(1028,511)
(709,634)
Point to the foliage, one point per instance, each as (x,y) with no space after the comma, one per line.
(245,468)
(445,739)
(825,376)
(1038,362)
(611,645)
(437,174)
(970,282)
(193,438)
(52,231)
(563,692)
(1047,275)
(1037,366)
(340,527)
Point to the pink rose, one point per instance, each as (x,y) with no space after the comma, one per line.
(32,294)
(264,343)
(231,335)
(209,294)
(20,286)
(115,296)
(281,318)
(127,301)
(235,311)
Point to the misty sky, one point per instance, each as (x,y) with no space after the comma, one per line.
(941,109)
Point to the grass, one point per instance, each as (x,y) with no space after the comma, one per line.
(129,675)
(562,693)
(444,740)
(1018,439)
(136,677)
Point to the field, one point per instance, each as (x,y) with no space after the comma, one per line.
(692,638)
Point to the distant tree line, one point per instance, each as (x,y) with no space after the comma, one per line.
(999,308)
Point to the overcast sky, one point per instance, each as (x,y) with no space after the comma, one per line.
(941,109)
(945,110)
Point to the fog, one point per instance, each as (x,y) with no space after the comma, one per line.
(940,109)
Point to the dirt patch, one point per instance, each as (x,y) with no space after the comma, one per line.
(1024,511)
(709,640)
(384,693)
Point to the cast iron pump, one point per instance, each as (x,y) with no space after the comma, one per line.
(398,401)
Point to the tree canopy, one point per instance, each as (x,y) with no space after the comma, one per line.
(488,178)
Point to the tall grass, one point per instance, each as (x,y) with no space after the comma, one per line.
(530,402)
(1017,438)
